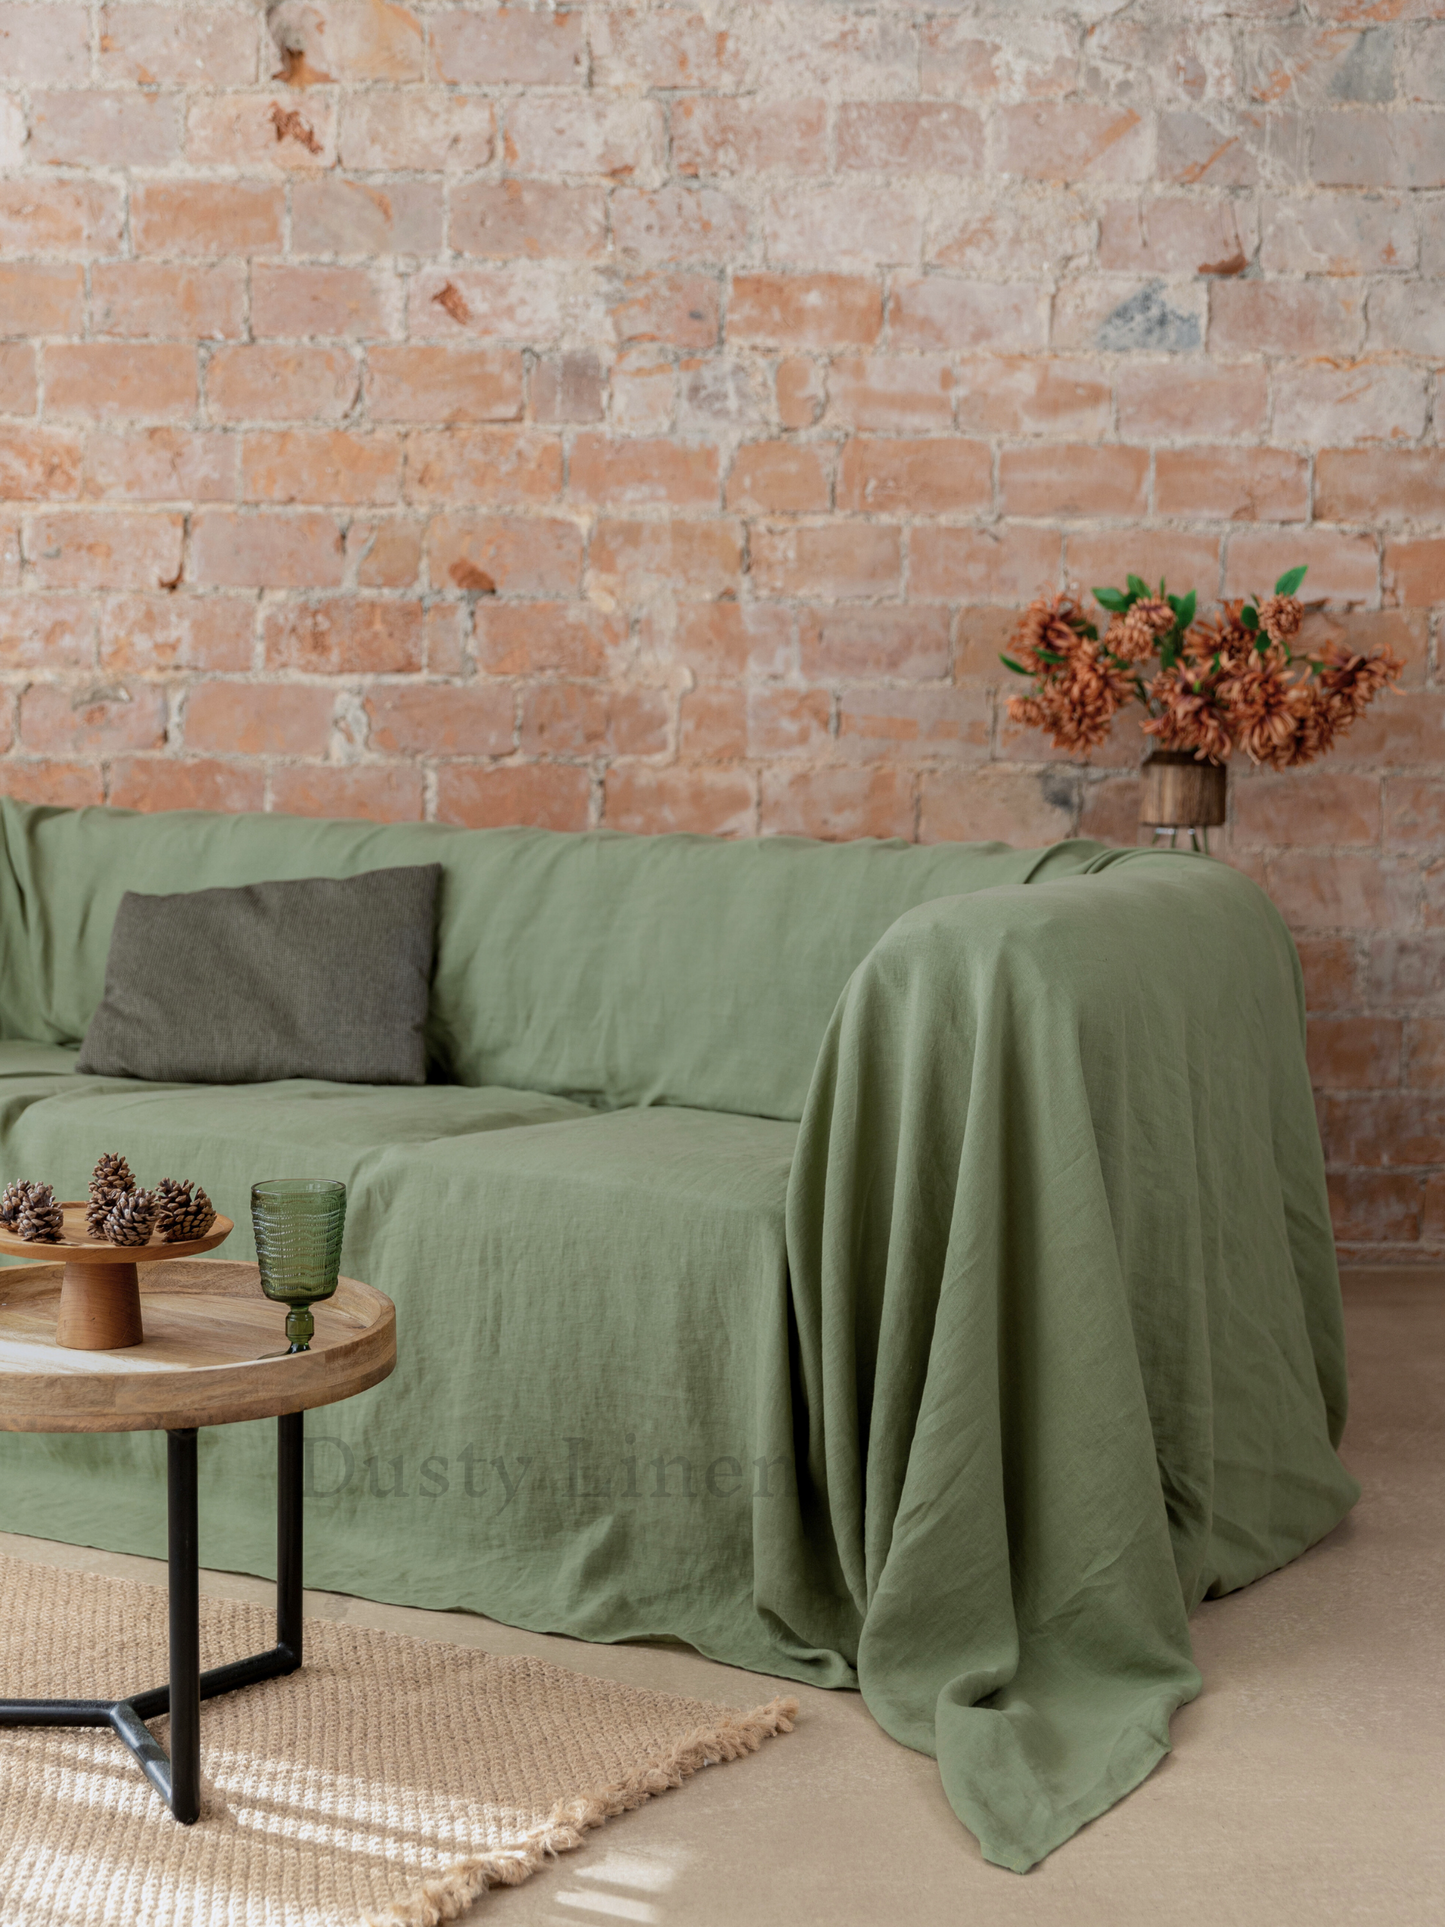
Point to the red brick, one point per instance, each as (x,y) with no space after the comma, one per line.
(260,131)
(560,638)
(376,792)
(81,722)
(53,217)
(1080,141)
(70,785)
(159,465)
(387,551)
(1375,1208)
(9,551)
(323,301)
(1387,1128)
(937,476)
(346,40)
(483,467)
(503,219)
(1027,395)
(41,300)
(956,61)
(1290,318)
(1424,1053)
(1022,807)
(1109,811)
(1354,147)
(1342,568)
(426,384)
(17,378)
(697,561)
(706,802)
(801,389)
(1171,234)
(916,725)
(837,804)
(184,783)
(636,474)
(1354,1053)
(45,47)
(1317,806)
(1404,631)
(1184,561)
(525,302)
(96,549)
(340,216)
(1057,480)
(843,226)
(1192,400)
(787,722)
(837,561)
(207,217)
(899,642)
(638,49)
(415,128)
(45,632)
(255,382)
(623,140)
(1401,728)
(778,478)
(169,46)
(1319,892)
(1380,485)
(982,635)
(943,311)
(677,223)
(1405,316)
(518,45)
(505,554)
(343,636)
(152,635)
(582,719)
(1237,484)
(643,387)
(712,725)
(258,719)
(982,565)
(109,381)
(1337,234)
(909,137)
(726,639)
(566,387)
(1355,402)
(1414,812)
(550,795)
(441,719)
(1415,570)
(680,309)
(1330,971)
(912,391)
(38,464)
(810,310)
(320,465)
(731,136)
(114,128)
(148,299)
(266,549)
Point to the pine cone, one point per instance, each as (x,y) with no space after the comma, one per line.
(41,1219)
(181,1215)
(111,1176)
(132,1218)
(12,1200)
(102,1203)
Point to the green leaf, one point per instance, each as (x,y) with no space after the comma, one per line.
(1088,629)
(1111,599)
(1139,588)
(1290,580)
(1017,667)
(1047,655)
(1168,653)
(1185,608)
(1249,617)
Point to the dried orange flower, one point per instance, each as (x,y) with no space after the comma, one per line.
(1138,632)
(1280,617)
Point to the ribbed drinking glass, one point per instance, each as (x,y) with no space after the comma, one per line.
(299,1223)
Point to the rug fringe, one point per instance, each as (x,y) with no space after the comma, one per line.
(448,1895)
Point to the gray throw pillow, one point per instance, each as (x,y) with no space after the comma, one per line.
(317,978)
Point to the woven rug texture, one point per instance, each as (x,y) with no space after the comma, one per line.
(391,1781)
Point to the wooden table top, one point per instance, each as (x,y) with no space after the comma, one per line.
(214,1352)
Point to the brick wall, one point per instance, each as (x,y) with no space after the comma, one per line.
(651,415)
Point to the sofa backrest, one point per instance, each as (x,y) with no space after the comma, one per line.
(619,969)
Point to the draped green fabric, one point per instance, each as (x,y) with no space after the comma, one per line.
(964,1389)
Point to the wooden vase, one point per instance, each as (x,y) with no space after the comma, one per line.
(1177,793)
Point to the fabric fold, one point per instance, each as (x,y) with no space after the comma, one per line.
(1065,1321)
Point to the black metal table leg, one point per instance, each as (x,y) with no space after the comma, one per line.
(178,1778)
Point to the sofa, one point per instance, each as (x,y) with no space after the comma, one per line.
(885,1267)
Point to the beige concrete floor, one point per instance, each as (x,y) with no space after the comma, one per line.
(1307,1782)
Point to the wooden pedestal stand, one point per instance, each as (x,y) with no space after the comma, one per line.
(100,1292)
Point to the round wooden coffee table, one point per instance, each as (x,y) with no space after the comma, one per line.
(214,1352)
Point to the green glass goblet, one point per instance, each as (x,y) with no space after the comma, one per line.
(299,1224)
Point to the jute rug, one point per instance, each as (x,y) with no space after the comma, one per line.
(392,1781)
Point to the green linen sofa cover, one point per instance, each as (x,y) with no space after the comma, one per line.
(887,1267)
